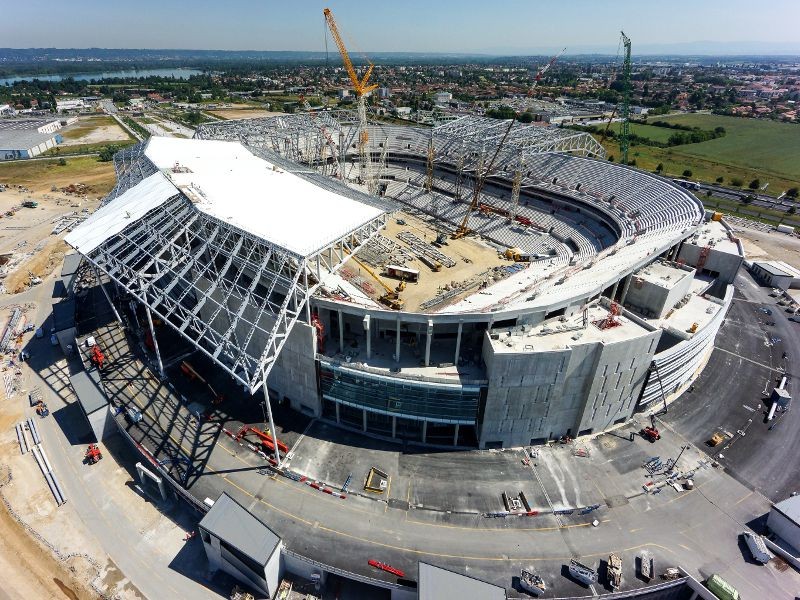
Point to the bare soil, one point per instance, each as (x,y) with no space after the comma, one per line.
(760,245)
(93,130)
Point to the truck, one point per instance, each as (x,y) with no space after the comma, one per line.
(582,573)
(30,204)
(721,588)
(758,549)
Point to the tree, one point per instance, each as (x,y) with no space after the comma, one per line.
(792,192)
(792,210)
(660,167)
(526,117)
(720,179)
(632,162)
(755,184)
(62,162)
(610,158)
(748,199)
(687,172)
(107,153)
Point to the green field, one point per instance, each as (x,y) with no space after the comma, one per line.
(657,134)
(750,149)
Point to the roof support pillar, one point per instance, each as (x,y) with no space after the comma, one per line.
(108,298)
(397,342)
(428,339)
(341,333)
(272,430)
(458,344)
(155,341)
(369,337)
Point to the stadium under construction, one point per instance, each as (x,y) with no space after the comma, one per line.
(480,283)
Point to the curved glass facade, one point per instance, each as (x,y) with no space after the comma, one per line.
(429,401)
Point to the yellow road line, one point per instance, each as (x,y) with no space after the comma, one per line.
(745,497)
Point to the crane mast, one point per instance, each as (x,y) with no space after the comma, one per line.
(539,75)
(625,112)
(361,86)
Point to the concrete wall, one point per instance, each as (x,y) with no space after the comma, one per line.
(784,528)
(266,582)
(294,374)
(543,395)
(680,364)
(650,298)
(726,264)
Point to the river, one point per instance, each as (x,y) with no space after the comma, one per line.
(177,73)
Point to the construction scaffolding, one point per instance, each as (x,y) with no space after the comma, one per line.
(233,295)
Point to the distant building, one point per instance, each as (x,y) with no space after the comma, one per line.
(6,110)
(26,138)
(342,94)
(70,105)
(776,274)
(384,92)
(442,97)
(403,111)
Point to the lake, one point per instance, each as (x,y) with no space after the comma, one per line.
(177,73)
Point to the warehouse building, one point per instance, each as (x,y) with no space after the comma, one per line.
(26,138)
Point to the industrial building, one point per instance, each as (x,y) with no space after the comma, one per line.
(776,274)
(554,298)
(26,138)
(784,521)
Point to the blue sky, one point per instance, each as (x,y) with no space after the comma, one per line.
(502,26)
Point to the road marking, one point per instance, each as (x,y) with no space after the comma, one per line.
(750,360)
(685,547)
(635,530)
(742,499)
(297,442)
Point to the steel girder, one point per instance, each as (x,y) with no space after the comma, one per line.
(232,295)
(460,141)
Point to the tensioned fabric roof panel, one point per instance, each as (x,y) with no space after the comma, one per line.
(228,182)
(115,216)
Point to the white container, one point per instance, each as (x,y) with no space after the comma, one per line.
(758,549)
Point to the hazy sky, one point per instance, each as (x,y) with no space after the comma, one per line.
(401,25)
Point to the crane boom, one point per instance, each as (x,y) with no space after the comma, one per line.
(463,228)
(359,85)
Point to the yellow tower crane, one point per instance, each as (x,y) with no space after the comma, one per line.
(361,86)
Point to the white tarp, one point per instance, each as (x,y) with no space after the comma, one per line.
(124,210)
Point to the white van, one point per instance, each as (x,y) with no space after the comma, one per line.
(757,547)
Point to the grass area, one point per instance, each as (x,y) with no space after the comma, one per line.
(657,134)
(768,146)
(86,126)
(136,127)
(87,148)
(42,174)
(751,149)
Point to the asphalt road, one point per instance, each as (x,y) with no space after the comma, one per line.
(697,530)
(729,395)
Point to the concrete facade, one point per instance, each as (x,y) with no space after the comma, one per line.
(657,288)
(582,388)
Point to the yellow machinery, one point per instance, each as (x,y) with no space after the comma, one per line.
(361,88)
(391,297)
(517,255)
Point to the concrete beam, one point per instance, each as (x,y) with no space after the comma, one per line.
(428,339)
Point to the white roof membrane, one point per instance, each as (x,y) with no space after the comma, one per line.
(115,216)
(227,182)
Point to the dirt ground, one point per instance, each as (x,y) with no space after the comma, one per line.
(471,256)
(93,130)
(243,113)
(27,234)
(759,245)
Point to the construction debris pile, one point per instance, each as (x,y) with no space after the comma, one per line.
(13,329)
